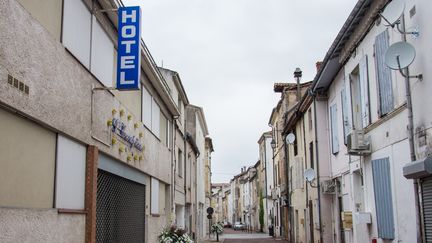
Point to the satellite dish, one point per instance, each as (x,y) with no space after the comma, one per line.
(393,11)
(309,175)
(290,138)
(399,55)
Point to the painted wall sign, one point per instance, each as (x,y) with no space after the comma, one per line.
(129,48)
(119,128)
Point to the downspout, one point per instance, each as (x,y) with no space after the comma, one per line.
(317,167)
(265,171)
(305,163)
(173,160)
(419,221)
(288,195)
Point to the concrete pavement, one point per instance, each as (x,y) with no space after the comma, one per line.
(231,236)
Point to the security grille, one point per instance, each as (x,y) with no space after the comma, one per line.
(427,207)
(119,209)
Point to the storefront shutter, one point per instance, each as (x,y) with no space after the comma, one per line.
(427,207)
(383,198)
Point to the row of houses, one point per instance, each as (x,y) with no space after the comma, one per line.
(349,153)
(79,160)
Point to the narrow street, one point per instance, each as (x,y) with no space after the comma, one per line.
(233,236)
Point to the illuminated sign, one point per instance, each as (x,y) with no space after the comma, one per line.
(129,46)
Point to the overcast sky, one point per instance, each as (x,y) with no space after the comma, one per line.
(229,53)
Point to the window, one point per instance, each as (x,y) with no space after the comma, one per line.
(87,40)
(345,116)
(383,198)
(295,145)
(360,95)
(384,79)
(155,126)
(70,174)
(310,119)
(154,196)
(102,55)
(334,127)
(77,30)
(146,108)
(163,129)
(151,114)
(311,154)
(180,163)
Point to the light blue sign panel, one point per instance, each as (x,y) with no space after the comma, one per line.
(129,48)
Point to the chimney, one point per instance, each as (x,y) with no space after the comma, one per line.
(318,65)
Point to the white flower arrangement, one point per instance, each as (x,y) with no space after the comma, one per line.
(173,234)
(217,228)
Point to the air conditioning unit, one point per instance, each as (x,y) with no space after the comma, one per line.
(358,143)
(328,187)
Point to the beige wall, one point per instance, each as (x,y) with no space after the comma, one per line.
(47,12)
(41,225)
(27,163)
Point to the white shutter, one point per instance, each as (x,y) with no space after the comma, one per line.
(155,119)
(102,55)
(334,127)
(76,30)
(154,196)
(364,91)
(70,174)
(146,108)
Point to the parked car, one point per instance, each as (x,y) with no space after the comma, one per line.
(239,226)
(227,224)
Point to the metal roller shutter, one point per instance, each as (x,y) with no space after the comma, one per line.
(120,209)
(427,207)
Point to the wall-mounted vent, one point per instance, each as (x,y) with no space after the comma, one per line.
(21,86)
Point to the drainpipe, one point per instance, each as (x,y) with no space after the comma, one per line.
(411,143)
(305,163)
(317,167)
(288,188)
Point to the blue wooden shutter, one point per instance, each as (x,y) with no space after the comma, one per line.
(334,127)
(364,91)
(383,198)
(384,78)
(345,116)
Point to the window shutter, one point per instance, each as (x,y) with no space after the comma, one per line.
(155,127)
(364,91)
(146,108)
(334,126)
(154,196)
(383,74)
(383,198)
(345,116)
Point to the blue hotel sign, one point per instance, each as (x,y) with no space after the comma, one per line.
(128,53)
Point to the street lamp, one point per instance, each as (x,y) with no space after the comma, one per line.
(273,144)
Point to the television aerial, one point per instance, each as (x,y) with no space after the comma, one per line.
(392,15)
(309,176)
(399,56)
(290,138)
